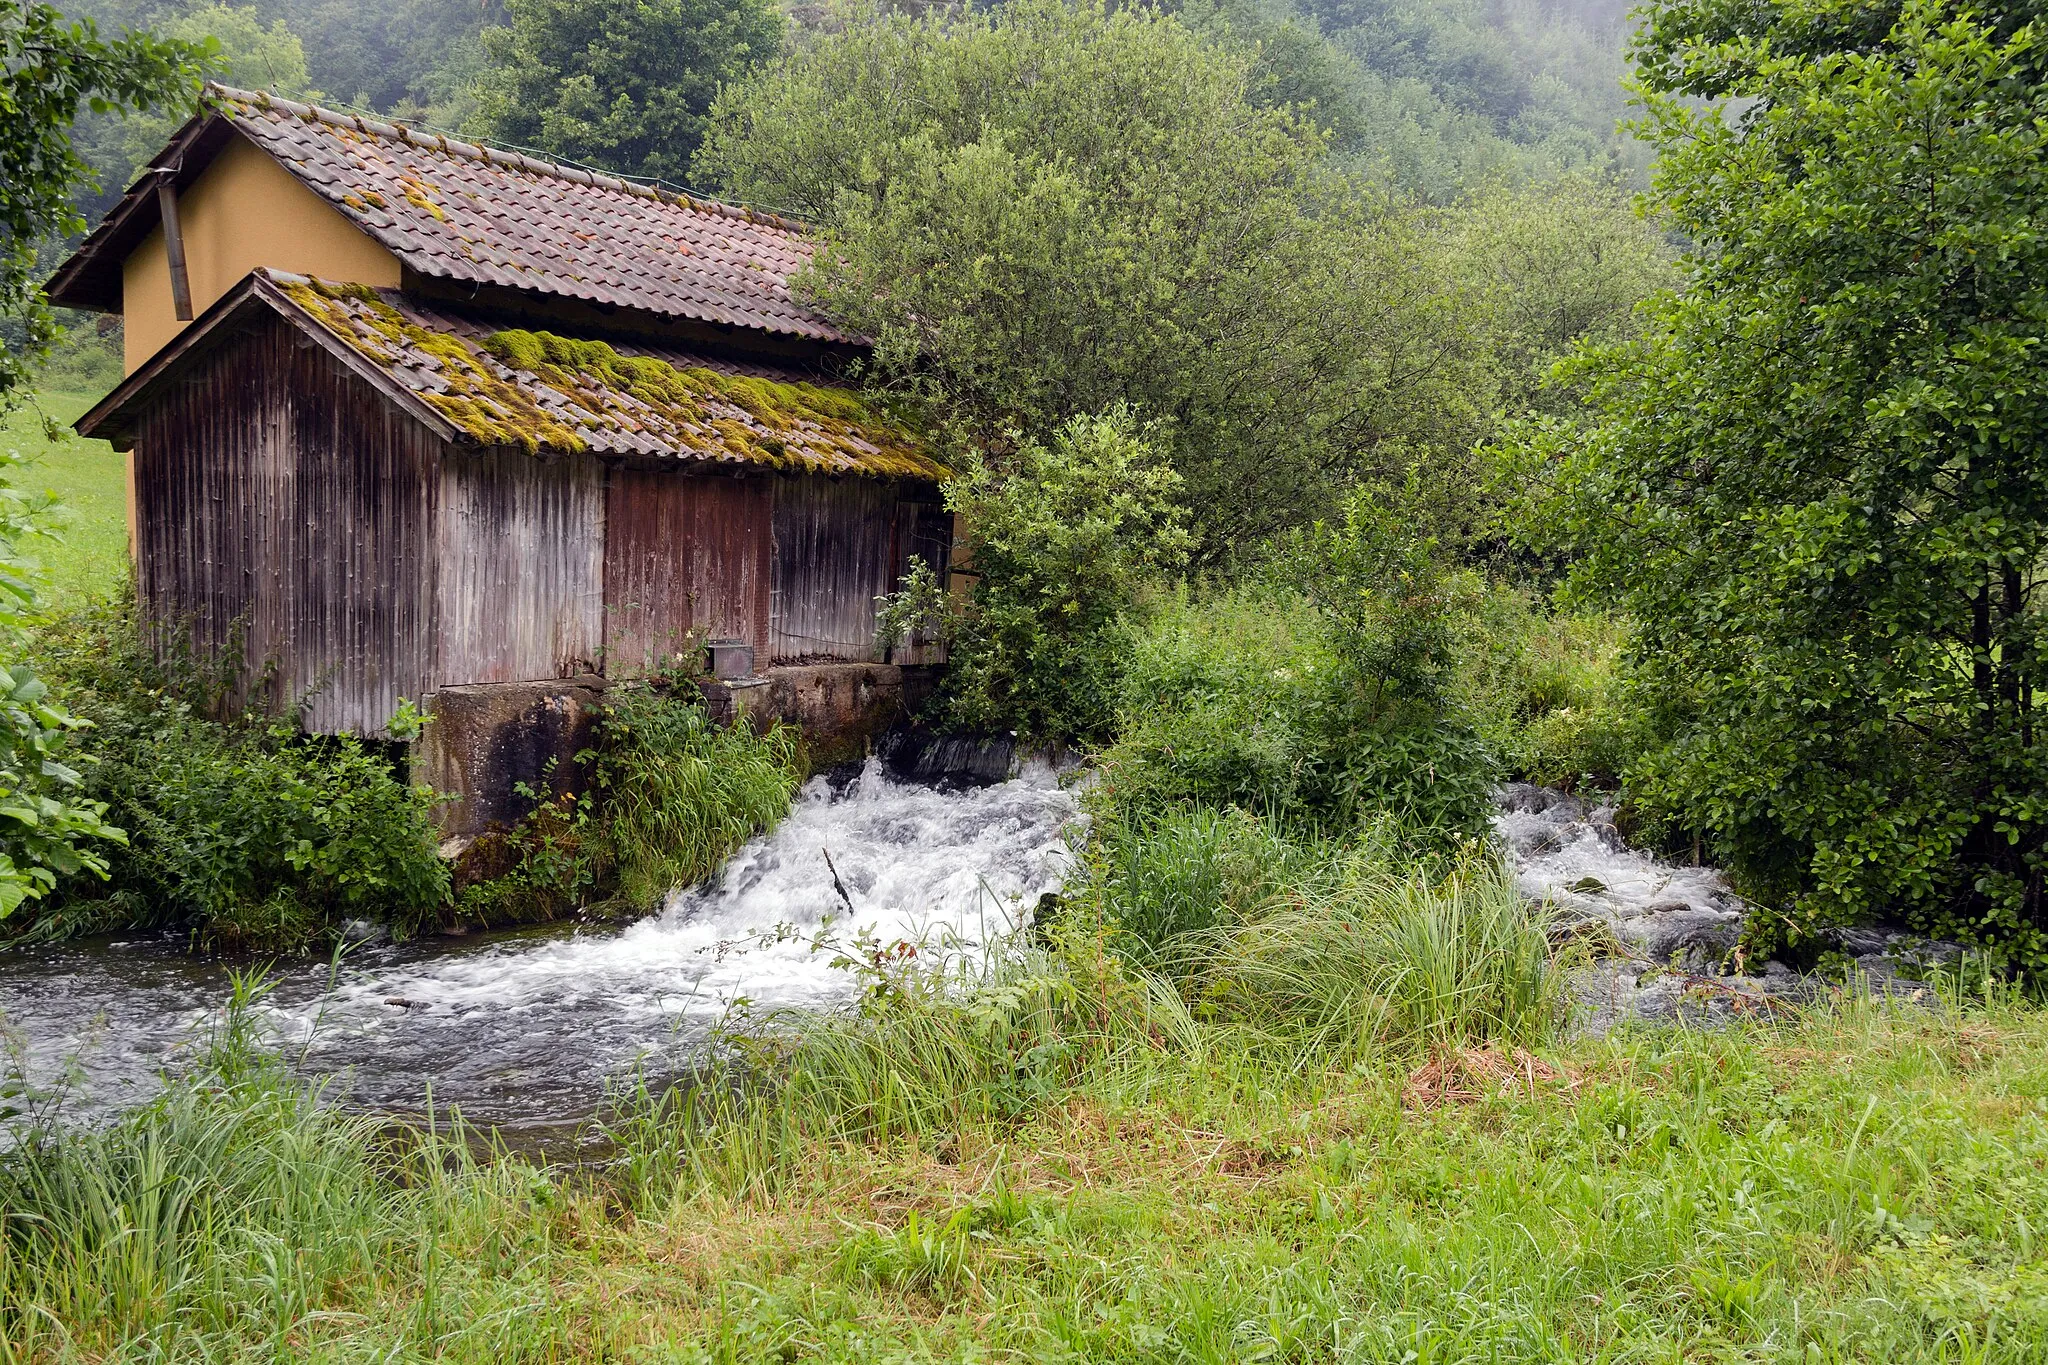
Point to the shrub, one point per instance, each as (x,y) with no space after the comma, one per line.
(1251,699)
(50,827)
(1542,686)
(678,793)
(246,832)
(1060,538)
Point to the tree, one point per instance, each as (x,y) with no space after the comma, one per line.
(1816,480)
(622,84)
(1551,266)
(1044,211)
(1060,542)
(244,51)
(49,67)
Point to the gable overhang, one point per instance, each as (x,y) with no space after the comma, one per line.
(91,279)
(114,418)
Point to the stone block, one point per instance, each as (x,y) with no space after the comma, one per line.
(485,741)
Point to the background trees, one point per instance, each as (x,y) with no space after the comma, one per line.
(1046,211)
(622,84)
(1816,482)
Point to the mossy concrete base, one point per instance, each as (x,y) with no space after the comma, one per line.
(485,741)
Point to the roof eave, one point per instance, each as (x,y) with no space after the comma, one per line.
(91,278)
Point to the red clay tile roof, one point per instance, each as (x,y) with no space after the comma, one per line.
(459,211)
(544,391)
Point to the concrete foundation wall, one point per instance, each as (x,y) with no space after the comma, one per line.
(484,741)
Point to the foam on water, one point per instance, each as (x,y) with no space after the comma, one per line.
(529,1028)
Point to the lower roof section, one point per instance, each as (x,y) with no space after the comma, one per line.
(476,384)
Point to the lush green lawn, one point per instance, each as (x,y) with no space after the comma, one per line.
(89,553)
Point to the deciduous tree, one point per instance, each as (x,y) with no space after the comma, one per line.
(1817,480)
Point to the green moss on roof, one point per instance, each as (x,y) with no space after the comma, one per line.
(789,419)
(490,409)
(791,426)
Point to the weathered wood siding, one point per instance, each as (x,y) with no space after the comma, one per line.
(840,544)
(284,511)
(685,555)
(924,530)
(522,566)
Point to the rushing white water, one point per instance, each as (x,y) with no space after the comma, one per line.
(530,1027)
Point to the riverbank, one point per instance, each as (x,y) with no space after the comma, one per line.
(1863,1182)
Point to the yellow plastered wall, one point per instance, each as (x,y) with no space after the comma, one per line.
(244,211)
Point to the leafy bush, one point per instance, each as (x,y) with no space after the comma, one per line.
(1258,699)
(1060,538)
(50,827)
(1544,690)
(246,832)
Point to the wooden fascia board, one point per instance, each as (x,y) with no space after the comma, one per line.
(111,419)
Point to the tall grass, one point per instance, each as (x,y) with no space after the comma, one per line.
(1052,1158)
(226,1183)
(1372,959)
(680,793)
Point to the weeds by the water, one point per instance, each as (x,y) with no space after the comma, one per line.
(1863,1184)
(680,793)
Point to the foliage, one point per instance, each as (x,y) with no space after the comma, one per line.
(243,50)
(247,833)
(1815,484)
(680,793)
(49,67)
(1042,211)
(671,795)
(1060,538)
(1161,878)
(1343,963)
(1437,99)
(1255,699)
(50,824)
(1540,680)
(1549,266)
(621,84)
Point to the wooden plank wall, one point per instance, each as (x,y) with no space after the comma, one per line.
(522,577)
(281,502)
(835,552)
(686,555)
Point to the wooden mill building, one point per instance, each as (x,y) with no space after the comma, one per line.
(409,418)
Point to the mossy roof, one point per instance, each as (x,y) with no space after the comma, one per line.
(543,391)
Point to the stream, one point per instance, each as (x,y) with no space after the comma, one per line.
(523,1031)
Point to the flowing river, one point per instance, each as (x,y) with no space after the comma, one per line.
(524,1031)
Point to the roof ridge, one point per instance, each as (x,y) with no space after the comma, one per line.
(479,150)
